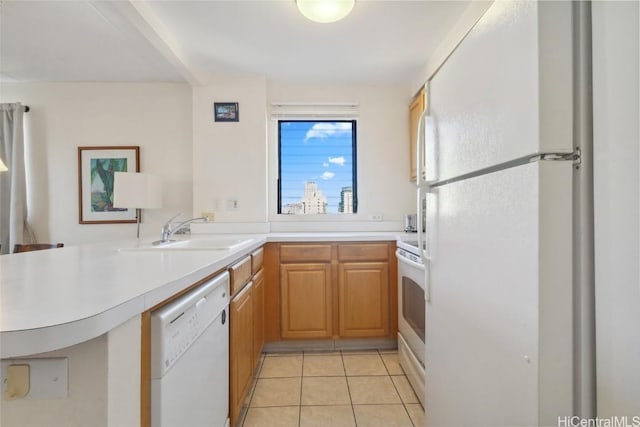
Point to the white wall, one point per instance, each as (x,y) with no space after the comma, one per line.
(229,158)
(103,385)
(86,403)
(224,161)
(239,160)
(63,116)
(616,164)
(124,374)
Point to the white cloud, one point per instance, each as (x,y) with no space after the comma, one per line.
(337,160)
(325,130)
(325,164)
(328,175)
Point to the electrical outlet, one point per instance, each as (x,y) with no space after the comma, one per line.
(47,378)
(377,217)
(210,216)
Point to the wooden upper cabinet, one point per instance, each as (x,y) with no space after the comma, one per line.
(415,111)
(364,299)
(306,300)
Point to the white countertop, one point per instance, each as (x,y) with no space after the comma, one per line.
(56,298)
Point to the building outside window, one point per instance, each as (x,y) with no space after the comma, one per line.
(317,167)
(346,200)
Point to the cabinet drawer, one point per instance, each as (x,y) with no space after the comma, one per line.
(256,260)
(363,252)
(240,273)
(258,276)
(308,253)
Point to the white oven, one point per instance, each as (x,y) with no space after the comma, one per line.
(411,314)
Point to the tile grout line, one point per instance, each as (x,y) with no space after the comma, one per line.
(301,376)
(404,405)
(255,386)
(346,378)
(300,400)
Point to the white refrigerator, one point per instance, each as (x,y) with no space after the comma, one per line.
(499,194)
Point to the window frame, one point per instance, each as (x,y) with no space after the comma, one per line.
(354,171)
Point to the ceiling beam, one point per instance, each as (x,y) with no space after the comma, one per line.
(472,14)
(139,14)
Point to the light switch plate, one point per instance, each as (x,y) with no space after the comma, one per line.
(233,204)
(48,378)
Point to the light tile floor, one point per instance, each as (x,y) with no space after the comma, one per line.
(338,389)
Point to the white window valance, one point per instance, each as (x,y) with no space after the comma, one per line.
(314,111)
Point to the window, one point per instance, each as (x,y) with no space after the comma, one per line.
(317,167)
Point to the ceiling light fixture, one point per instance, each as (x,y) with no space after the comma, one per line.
(325,11)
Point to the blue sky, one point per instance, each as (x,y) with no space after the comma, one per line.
(315,151)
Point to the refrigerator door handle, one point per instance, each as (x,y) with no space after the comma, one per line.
(423,242)
(421,225)
(420,150)
(427,285)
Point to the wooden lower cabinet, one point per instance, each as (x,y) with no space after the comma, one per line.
(258,316)
(363,299)
(246,329)
(306,300)
(331,291)
(240,349)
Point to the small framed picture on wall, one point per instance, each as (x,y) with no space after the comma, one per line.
(226,112)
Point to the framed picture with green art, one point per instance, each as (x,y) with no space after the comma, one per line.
(96,168)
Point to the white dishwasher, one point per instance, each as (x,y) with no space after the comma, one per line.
(190,358)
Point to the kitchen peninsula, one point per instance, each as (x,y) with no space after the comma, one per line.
(85,303)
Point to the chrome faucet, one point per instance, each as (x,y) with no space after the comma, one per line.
(168,229)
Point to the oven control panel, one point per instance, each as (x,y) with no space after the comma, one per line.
(409,255)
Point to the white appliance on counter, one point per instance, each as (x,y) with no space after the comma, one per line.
(411,314)
(506,339)
(190,358)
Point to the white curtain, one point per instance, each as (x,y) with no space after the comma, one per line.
(13,188)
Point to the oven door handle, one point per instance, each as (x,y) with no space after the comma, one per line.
(408,261)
